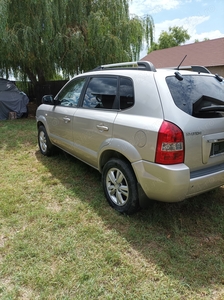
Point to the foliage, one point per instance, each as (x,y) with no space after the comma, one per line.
(197,40)
(59,239)
(39,38)
(174,37)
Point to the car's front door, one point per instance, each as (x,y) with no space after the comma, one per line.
(61,116)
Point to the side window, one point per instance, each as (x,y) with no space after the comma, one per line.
(101,93)
(126,93)
(69,96)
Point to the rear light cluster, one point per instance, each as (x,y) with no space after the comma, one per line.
(170,144)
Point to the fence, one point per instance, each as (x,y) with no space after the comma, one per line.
(35,93)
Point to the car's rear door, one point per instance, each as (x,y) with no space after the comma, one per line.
(93,120)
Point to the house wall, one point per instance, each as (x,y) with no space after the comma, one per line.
(217,70)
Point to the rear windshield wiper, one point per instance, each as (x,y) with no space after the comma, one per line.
(219,78)
(206,103)
(212,108)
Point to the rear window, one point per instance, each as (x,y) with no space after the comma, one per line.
(198,95)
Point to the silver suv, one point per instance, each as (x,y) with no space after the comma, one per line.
(155,134)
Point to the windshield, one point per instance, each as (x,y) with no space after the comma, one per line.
(198,95)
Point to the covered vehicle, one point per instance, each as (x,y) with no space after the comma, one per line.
(12,100)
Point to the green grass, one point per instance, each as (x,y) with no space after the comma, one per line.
(59,239)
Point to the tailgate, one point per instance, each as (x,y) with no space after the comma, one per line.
(199,111)
(204,143)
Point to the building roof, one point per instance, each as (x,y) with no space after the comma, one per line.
(208,53)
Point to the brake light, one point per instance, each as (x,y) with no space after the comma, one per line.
(170,144)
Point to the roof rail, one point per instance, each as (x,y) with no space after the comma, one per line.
(199,69)
(147,64)
(140,65)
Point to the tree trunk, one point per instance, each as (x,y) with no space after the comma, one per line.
(31,76)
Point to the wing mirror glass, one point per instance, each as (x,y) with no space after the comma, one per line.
(48,99)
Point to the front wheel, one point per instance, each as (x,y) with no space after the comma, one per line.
(46,148)
(120,186)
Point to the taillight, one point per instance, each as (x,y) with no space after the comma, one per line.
(170,145)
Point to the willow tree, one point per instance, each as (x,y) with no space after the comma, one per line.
(42,37)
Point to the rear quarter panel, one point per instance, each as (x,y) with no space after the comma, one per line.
(139,125)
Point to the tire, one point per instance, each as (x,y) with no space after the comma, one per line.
(46,148)
(120,186)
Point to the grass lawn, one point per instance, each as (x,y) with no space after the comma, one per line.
(59,239)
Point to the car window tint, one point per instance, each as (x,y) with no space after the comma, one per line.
(195,92)
(101,93)
(69,96)
(126,93)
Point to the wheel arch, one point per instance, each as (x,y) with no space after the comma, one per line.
(118,149)
(41,121)
(109,154)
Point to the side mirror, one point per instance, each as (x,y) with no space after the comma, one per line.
(48,99)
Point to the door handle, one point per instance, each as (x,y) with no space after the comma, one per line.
(102,128)
(66,119)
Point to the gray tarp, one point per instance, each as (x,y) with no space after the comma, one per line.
(11,100)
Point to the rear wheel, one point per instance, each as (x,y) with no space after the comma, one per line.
(46,147)
(120,186)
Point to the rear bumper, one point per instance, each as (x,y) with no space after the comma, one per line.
(205,180)
(174,183)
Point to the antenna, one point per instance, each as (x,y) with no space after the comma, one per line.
(181,62)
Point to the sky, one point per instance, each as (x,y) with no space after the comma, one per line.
(202,18)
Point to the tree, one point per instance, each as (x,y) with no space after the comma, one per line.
(197,40)
(174,37)
(39,38)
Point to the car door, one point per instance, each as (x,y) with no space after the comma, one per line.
(94,120)
(61,116)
